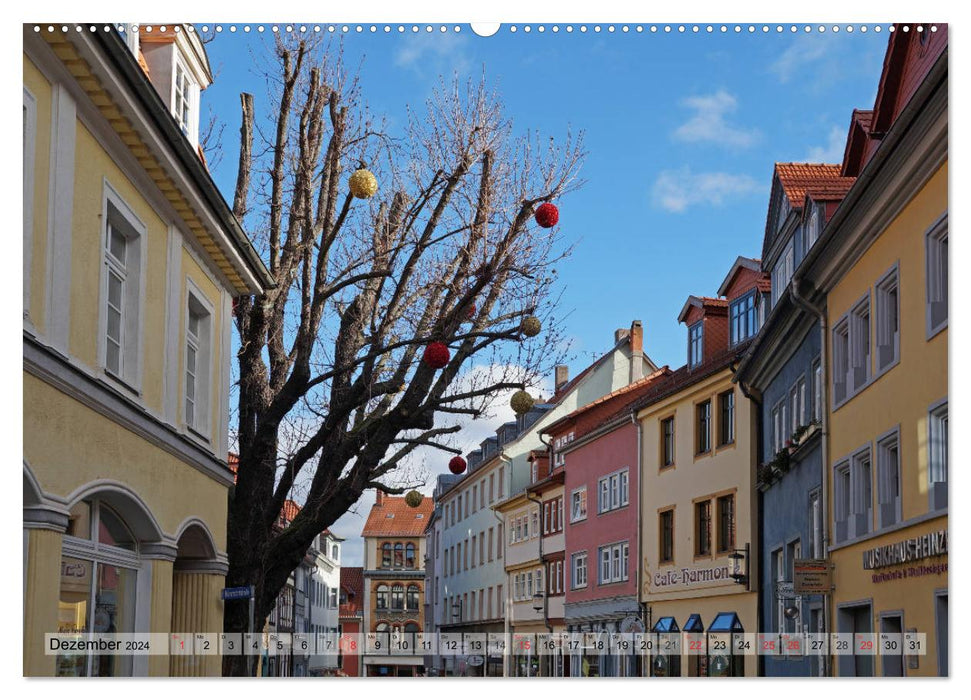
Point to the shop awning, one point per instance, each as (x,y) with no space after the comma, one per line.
(694,624)
(666,624)
(726,622)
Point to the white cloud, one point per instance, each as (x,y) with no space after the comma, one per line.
(832,152)
(802,52)
(708,123)
(435,53)
(676,190)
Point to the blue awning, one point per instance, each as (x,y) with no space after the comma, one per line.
(666,624)
(694,624)
(726,622)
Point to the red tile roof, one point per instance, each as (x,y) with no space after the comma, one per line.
(798,178)
(830,189)
(289,511)
(395,518)
(352,583)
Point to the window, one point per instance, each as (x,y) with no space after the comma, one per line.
(702,528)
(667,442)
(888,320)
(466,501)
(397,597)
(726,523)
(938,456)
(535,520)
(332,597)
(382,597)
(742,318)
(121,291)
(704,427)
(778,426)
(29,134)
(386,555)
(410,556)
(481,548)
(499,541)
(613,563)
(197,363)
(613,491)
(578,499)
(183,98)
(482,494)
(861,487)
(579,565)
(501,482)
(726,426)
(475,497)
(694,344)
(411,602)
(666,531)
(782,272)
(492,488)
(841,505)
(812,230)
(860,345)
(797,406)
(399,549)
(841,360)
(779,576)
(473,550)
(937,259)
(815,526)
(490,544)
(888,480)
(817,375)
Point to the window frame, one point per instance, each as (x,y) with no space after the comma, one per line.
(729,545)
(580,491)
(889,513)
(726,404)
(739,309)
(703,539)
(29,171)
(204,358)
(664,543)
(696,339)
(703,438)
(889,282)
(938,454)
(936,290)
(664,422)
(576,559)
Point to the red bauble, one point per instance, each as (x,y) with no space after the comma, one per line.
(547,215)
(456,465)
(436,355)
(470,314)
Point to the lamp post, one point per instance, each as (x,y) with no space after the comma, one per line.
(740,566)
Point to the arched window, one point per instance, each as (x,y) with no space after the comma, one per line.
(398,549)
(382,627)
(411,603)
(386,555)
(382,597)
(397,597)
(410,556)
(99,568)
(412,627)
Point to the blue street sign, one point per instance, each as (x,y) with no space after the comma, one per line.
(238,593)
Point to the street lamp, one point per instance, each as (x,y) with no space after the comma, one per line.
(740,567)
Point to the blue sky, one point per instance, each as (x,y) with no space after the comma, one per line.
(681,130)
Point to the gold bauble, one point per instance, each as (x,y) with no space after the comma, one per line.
(530,326)
(413,499)
(363,184)
(521,402)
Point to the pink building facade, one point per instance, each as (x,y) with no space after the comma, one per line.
(597,447)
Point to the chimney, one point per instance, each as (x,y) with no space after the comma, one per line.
(620,334)
(561,377)
(379,497)
(636,351)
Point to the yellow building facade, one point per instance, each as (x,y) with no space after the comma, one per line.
(882,272)
(131,261)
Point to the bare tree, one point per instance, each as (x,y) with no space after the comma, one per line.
(332,388)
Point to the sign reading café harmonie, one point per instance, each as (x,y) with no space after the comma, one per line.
(932,544)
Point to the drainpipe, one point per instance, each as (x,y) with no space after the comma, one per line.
(824,417)
(759,513)
(546,583)
(640,524)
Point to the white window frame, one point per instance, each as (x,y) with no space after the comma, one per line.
(887,338)
(841,361)
(812,230)
(613,491)
(861,345)
(187,96)
(816,371)
(115,209)
(578,568)
(782,271)
(196,301)
(938,455)
(613,563)
(842,500)
(575,502)
(742,308)
(936,289)
(889,486)
(696,343)
(30,148)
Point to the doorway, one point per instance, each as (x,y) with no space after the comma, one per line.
(892,661)
(856,619)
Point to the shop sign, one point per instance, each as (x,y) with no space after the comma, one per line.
(784,590)
(686,577)
(476,661)
(812,576)
(932,544)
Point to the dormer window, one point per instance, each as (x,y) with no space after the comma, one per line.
(695,344)
(742,316)
(812,233)
(182,100)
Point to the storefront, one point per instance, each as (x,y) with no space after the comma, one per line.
(895,584)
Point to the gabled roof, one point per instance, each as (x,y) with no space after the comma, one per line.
(395,518)
(700,302)
(741,261)
(797,178)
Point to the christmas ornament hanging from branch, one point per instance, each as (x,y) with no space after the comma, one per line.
(363,184)
(521,402)
(456,465)
(530,326)
(413,499)
(436,355)
(547,215)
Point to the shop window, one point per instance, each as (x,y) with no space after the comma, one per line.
(888,480)
(937,277)
(97,593)
(888,320)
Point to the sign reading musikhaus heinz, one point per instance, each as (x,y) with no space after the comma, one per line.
(932,544)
